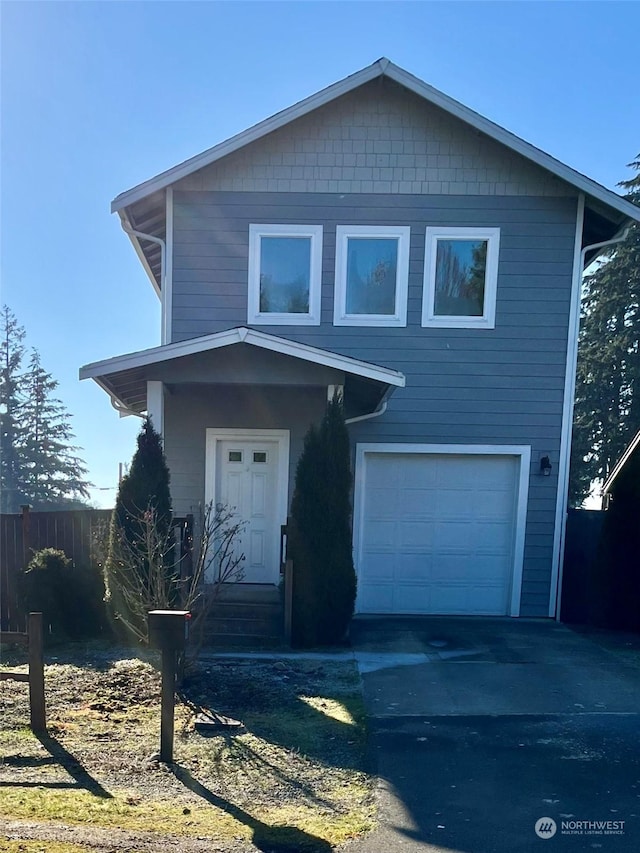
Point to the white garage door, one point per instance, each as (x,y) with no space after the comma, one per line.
(437,533)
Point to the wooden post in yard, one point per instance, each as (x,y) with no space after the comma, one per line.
(167,704)
(36,674)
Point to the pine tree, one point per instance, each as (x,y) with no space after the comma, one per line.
(54,475)
(38,463)
(12,462)
(607,407)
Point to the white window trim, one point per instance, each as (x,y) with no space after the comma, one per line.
(254,315)
(521,451)
(399,318)
(488,319)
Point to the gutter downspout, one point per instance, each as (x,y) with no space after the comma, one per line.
(379,410)
(382,408)
(124,412)
(564,473)
(132,232)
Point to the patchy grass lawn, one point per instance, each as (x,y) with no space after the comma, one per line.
(294,776)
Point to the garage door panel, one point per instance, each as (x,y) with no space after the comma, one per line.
(381,503)
(492,504)
(408,602)
(457,535)
(422,474)
(416,534)
(414,569)
(421,503)
(382,535)
(455,504)
(492,538)
(379,568)
(453,568)
(383,474)
(377,598)
(437,533)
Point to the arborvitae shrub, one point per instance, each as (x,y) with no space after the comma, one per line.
(143,490)
(324,581)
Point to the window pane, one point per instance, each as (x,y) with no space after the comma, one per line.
(259,456)
(285,270)
(235,456)
(460,278)
(371,275)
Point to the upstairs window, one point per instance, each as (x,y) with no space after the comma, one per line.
(460,277)
(285,267)
(372,272)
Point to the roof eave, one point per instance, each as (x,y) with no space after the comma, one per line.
(124,220)
(515,143)
(242,334)
(635,442)
(381,68)
(251,134)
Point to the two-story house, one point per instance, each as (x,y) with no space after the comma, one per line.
(382,239)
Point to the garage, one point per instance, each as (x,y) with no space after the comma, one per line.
(439,532)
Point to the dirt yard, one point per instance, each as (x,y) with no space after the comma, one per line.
(293,778)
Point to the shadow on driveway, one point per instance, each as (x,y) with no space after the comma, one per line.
(482,726)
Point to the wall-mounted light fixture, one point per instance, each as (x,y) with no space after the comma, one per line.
(545,466)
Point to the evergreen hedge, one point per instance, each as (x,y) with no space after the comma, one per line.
(324,581)
(70,597)
(144,490)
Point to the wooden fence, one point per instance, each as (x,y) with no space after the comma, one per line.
(35,677)
(75,532)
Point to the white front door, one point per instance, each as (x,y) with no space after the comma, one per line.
(247,481)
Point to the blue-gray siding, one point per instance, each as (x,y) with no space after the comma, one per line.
(190,410)
(500,386)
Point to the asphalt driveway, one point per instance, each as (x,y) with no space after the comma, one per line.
(482,727)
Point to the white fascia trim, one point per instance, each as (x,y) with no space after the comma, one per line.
(441,321)
(510,140)
(400,233)
(167,284)
(620,464)
(248,336)
(564,458)
(245,137)
(154,355)
(520,450)
(126,225)
(383,67)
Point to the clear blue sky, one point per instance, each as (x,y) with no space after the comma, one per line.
(97,97)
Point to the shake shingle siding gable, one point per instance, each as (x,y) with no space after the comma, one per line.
(378,138)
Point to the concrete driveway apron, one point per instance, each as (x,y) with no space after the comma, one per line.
(500,736)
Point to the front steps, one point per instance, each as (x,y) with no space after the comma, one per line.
(245,616)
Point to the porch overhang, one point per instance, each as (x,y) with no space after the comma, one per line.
(242,356)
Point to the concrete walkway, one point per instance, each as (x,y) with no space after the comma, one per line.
(480,727)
